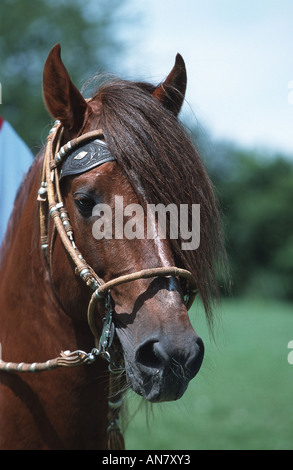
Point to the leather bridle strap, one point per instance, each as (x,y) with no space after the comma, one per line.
(53,158)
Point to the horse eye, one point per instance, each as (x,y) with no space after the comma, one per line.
(85,205)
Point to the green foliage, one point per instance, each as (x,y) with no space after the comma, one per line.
(256,193)
(29,29)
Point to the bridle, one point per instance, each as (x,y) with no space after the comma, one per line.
(51,202)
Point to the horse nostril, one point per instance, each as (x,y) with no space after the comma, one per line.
(148,355)
(165,370)
(154,356)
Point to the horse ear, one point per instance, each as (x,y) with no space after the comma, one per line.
(171,92)
(61,97)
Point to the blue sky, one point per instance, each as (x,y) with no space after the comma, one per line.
(239,59)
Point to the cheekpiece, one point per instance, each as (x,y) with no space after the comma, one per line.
(85,158)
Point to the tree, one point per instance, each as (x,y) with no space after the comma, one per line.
(255,190)
(29,29)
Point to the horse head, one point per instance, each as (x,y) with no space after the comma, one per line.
(152,162)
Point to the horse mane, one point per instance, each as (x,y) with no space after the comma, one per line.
(160,161)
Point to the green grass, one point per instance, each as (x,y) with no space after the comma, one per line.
(243,395)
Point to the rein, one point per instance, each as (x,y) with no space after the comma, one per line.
(50,199)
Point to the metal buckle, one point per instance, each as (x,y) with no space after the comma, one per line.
(108,330)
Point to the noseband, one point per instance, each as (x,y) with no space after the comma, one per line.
(50,198)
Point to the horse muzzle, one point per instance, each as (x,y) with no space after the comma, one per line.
(160,372)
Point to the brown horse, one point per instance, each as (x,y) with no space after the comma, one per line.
(149,159)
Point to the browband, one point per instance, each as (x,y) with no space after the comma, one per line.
(85,158)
